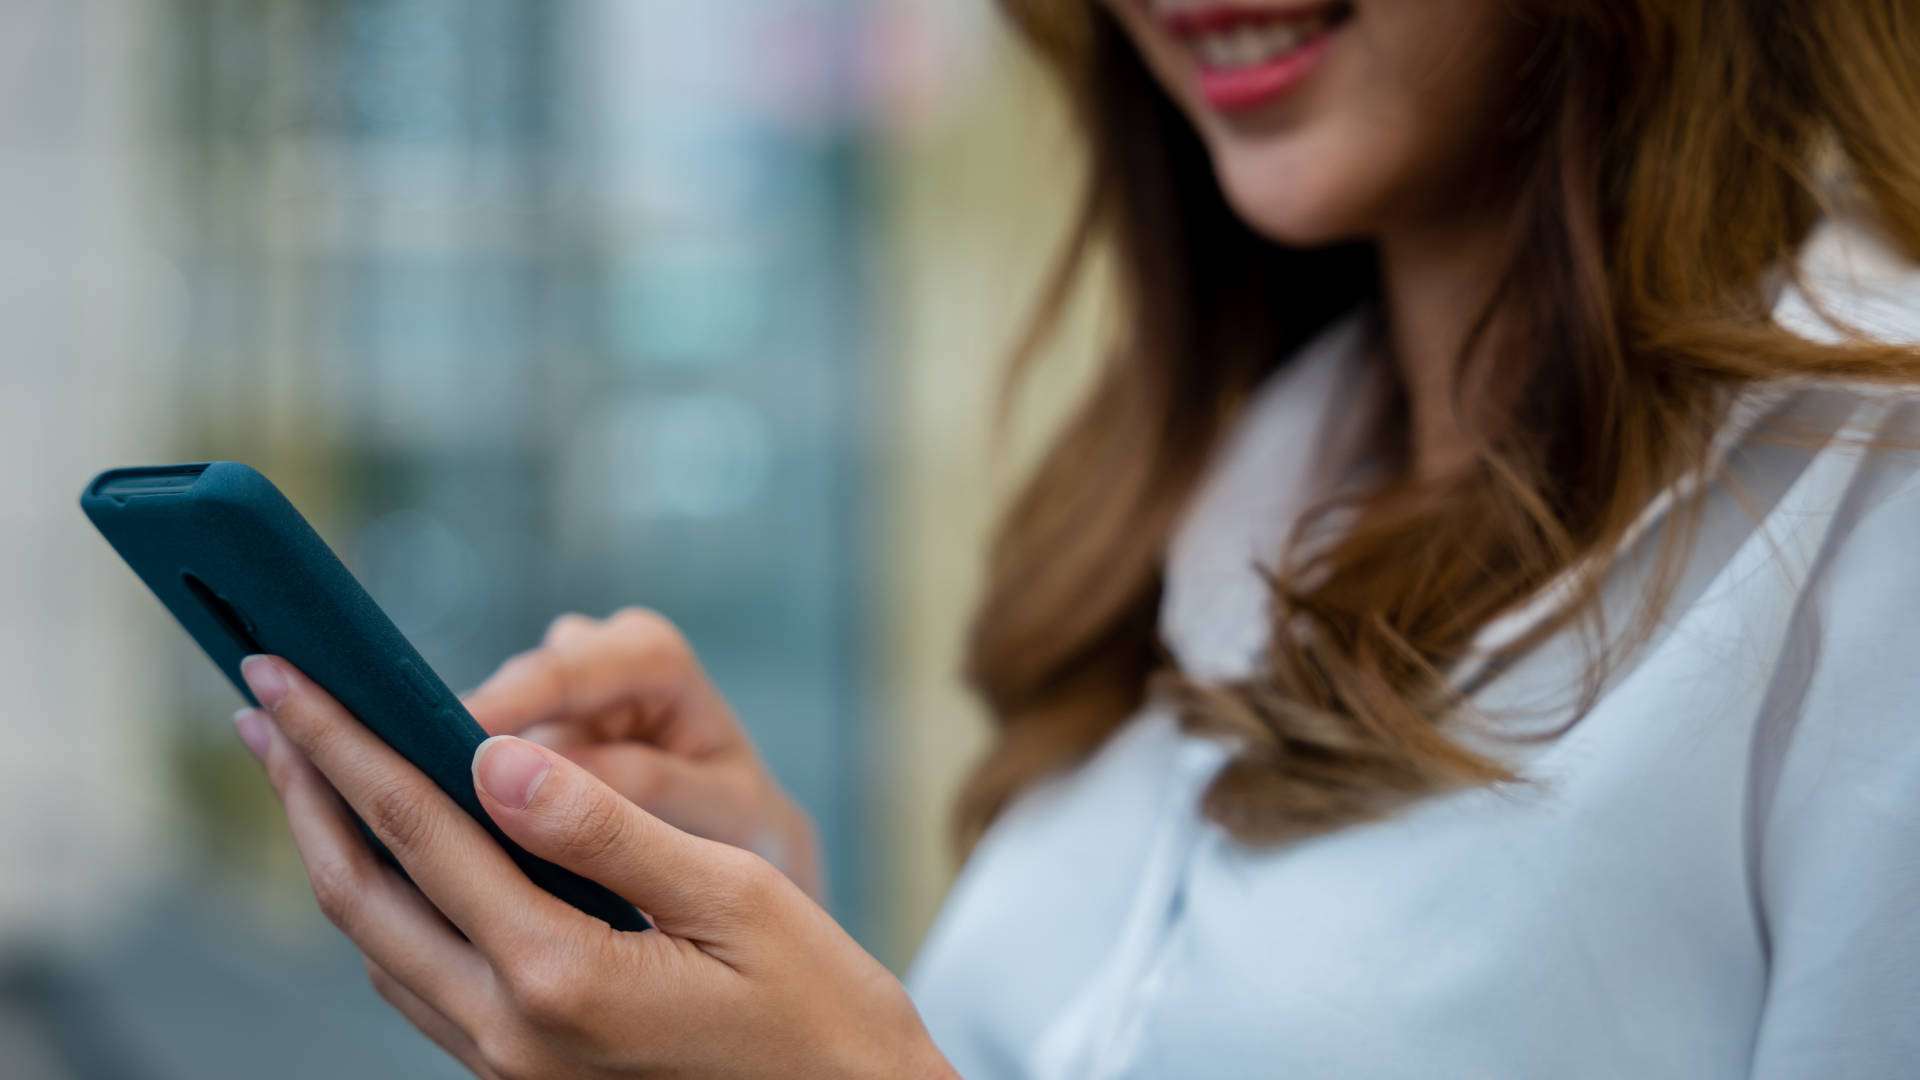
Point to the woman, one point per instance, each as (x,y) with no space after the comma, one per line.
(1468,630)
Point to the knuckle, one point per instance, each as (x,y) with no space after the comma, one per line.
(283,768)
(640,619)
(382,983)
(749,885)
(758,879)
(652,636)
(319,742)
(567,626)
(395,812)
(592,830)
(507,1052)
(548,994)
(337,887)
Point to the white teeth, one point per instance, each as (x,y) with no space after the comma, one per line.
(1251,44)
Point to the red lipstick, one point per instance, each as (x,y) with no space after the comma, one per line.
(1248,57)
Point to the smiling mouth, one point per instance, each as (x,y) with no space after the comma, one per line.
(1248,56)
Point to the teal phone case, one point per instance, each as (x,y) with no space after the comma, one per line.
(244,573)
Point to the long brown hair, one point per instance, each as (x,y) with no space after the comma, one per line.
(1670,167)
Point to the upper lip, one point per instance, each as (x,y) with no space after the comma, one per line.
(1187,18)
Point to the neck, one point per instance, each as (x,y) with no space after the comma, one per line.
(1436,282)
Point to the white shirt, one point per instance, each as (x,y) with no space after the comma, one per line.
(1716,873)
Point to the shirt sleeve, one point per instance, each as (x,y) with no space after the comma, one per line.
(1838,838)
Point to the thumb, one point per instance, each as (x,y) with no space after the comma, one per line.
(563,814)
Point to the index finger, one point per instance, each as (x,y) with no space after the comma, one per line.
(634,662)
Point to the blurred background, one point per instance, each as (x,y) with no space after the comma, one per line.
(533,306)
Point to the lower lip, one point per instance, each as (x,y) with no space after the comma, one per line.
(1240,89)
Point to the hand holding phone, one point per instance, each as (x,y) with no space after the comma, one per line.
(245,574)
(743,975)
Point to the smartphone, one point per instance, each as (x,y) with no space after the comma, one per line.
(244,573)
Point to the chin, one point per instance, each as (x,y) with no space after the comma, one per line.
(1292,203)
